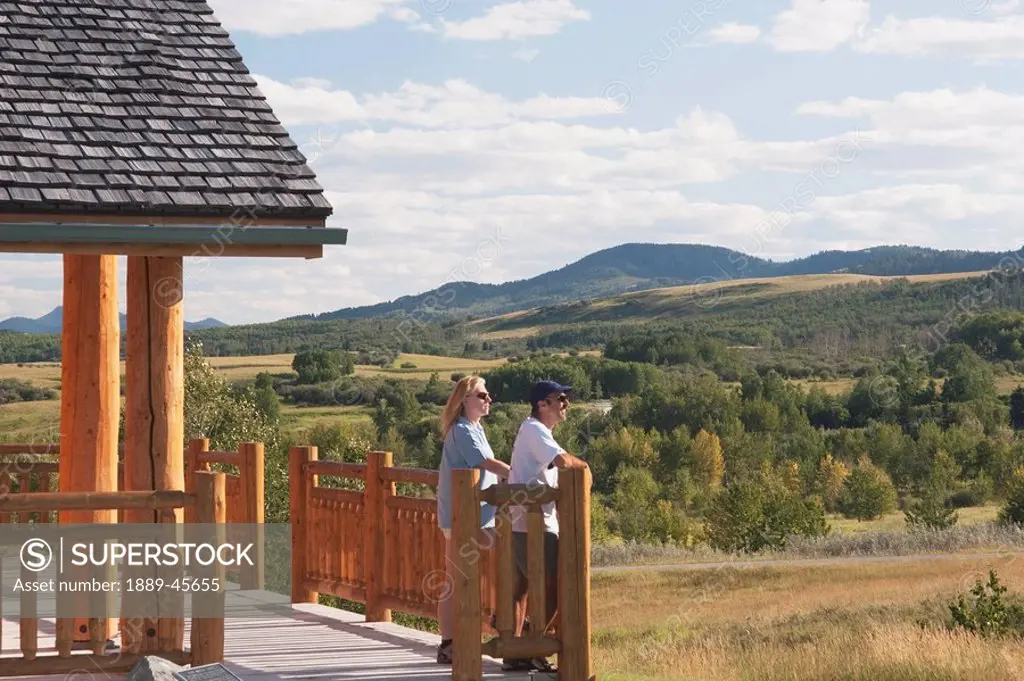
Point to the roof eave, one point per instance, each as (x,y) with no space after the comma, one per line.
(223,240)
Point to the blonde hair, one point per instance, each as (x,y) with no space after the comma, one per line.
(454,408)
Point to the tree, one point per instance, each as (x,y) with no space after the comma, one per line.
(830,481)
(971,378)
(933,512)
(213,411)
(320,366)
(869,492)
(1017,408)
(632,502)
(267,401)
(708,460)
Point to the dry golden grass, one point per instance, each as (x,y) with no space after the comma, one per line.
(792,284)
(897,521)
(521,332)
(44,374)
(844,621)
(836,387)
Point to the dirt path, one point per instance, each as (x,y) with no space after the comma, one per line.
(807,562)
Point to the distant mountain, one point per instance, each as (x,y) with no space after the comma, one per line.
(53,322)
(637,267)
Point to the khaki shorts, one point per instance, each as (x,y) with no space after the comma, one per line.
(447,533)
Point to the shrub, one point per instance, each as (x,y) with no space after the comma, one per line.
(931,513)
(988,615)
(967,498)
(1013,510)
(761,513)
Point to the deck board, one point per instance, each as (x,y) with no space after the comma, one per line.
(311,642)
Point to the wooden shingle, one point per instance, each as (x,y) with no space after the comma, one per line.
(139,107)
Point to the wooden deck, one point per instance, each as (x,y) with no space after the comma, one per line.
(312,642)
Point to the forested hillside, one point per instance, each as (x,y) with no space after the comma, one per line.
(632,267)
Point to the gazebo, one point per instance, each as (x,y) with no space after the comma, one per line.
(134,128)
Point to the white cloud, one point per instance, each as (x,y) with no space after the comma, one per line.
(293,17)
(734,33)
(454,103)
(981,39)
(520,19)
(824,25)
(1004,7)
(981,119)
(818,25)
(526,55)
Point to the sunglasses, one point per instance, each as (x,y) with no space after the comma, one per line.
(564,399)
(485,396)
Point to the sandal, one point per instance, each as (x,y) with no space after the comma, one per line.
(540,664)
(444,652)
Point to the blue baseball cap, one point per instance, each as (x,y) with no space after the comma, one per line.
(542,389)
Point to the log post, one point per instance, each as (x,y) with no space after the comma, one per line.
(208,608)
(196,448)
(376,493)
(250,469)
(467,648)
(575,662)
(90,393)
(300,482)
(154,396)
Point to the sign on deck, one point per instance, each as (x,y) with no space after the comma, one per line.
(206,672)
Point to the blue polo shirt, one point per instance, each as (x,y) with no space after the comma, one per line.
(465,446)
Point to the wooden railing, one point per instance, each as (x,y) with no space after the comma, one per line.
(245,494)
(24,468)
(207,643)
(570,637)
(371,545)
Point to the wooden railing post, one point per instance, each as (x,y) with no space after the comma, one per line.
(574,661)
(376,493)
(208,607)
(467,647)
(250,469)
(196,447)
(300,482)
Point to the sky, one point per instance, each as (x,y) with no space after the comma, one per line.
(494,140)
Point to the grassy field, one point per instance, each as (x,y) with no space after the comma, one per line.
(845,621)
(295,419)
(30,422)
(47,374)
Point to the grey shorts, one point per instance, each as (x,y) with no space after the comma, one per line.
(550,563)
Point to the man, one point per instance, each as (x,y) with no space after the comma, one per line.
(536,458)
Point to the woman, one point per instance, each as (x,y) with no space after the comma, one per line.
(465,446)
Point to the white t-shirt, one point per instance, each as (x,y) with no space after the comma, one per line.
(532,453)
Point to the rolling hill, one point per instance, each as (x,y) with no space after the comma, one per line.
(52,323)
(638,267)
(710,298)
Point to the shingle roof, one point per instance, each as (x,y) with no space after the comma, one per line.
(138,107)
